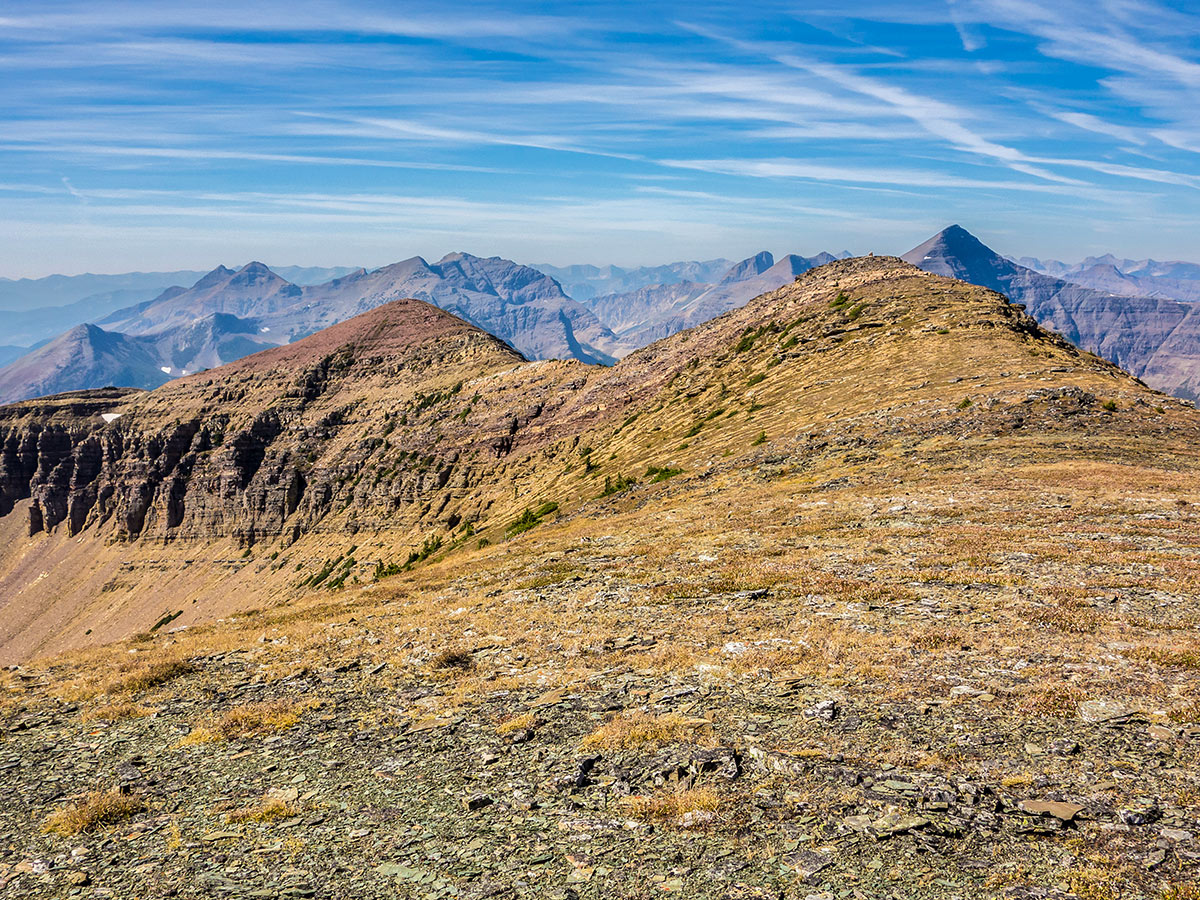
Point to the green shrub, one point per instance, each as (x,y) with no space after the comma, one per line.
(616,485)
(383,570)
(429,547)
(530,518)
(656,474)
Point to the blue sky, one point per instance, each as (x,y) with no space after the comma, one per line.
(158,135)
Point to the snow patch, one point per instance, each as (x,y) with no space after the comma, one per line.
(110,417)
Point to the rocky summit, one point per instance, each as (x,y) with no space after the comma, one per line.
(870,588)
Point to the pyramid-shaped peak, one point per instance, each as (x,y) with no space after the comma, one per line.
(951,244)
(957,253)
(254,273)
(791,265)
(958,241)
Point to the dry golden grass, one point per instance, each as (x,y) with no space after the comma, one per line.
(452,660)
(522,722)
(930,638)
(114,711)
(1186,657)
(151,675)
(95,810)
(1068,615)
(672,805)
(632,730)
(1057,700)
(250,720)
(1099,882)
(267,808)
(1186,715)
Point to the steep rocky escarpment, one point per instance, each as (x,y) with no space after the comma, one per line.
(278,439)
(38,436)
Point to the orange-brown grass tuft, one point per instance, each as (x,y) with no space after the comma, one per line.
(1058,700)
(251,720)
(673,806)
(95,810)
(937,638)
(523,722)
(1175,657)
(114,711)
(451,660)
(638,729)
(267,808)
(1186,715)
(152,675)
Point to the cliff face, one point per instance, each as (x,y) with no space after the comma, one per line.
(282,438)
(39,437)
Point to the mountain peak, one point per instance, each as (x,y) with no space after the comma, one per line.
(256,273)
(213,278)
(387,331)
(956,252)
(749,267)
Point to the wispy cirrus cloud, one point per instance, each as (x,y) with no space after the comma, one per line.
(783,120)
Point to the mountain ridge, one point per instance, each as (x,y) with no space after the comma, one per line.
(1154,338)
(349,431)
(253,307)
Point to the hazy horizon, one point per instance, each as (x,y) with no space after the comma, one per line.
(158,136)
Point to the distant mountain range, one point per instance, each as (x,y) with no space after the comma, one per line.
(228,314)
(36,309)
(1130,277)
(596,314)
(656,311)
(1156,339)
(584,282)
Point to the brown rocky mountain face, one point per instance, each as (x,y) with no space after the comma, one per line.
(871,585)
(1154,338)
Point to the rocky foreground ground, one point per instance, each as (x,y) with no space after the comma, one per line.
(984,685)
